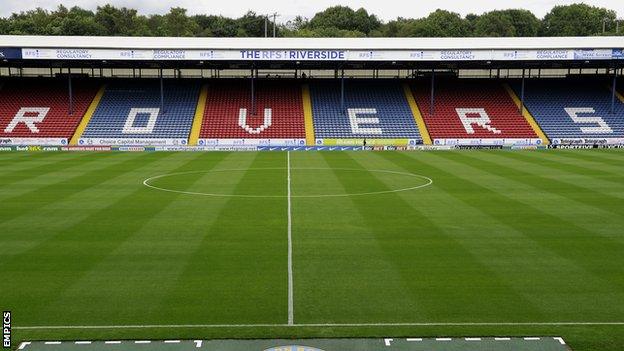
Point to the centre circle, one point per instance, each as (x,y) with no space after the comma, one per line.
(274,182)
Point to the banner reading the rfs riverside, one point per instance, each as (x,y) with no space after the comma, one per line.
(319,55)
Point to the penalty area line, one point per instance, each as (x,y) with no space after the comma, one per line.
(313,325)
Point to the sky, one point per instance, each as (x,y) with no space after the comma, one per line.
(288,9)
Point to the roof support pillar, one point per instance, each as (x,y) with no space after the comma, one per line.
(522,93)
(342,92)
(613,91)
(253,92)
(432,98)
(71,92)
(162,91)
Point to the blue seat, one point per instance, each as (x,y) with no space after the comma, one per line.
(547,100)
(180,100)
(395,119)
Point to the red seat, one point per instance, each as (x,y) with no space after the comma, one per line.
(471,99)
(225,100)
(41,94)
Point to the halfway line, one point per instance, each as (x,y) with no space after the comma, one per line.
(291,308)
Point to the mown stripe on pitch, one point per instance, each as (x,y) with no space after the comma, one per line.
(30,168)
(596,177)
(522,173)
(613,157)
(423,237)
(8,156)
(25,227)
(577,166)
(597,217)
(529,222)
(559,236)
(150,256)
(598,156)
(332,240)
(39,196)
(238,272)
(54,265)
(497,245)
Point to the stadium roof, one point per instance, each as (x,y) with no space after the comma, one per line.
(308,53)
(545,43)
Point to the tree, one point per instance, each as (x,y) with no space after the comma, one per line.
(440,23)
(506,23)
(400,27)
(78,21)
(216,26)
(120,21)
(252,25)
(576,20)
(331,32)
(177,24)
(344,18)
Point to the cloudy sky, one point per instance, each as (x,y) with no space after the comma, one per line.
(385,9)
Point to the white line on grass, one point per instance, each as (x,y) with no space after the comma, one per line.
(560,339)
(313,325)
(147,181)
(291,304)
(112,342)
(23,345)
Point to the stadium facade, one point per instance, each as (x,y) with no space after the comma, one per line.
(257,93)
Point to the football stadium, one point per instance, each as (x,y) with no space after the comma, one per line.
(305,194)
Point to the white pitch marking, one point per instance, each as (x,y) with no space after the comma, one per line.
(52,343)
(560,339)
(473,339)
(414,339)
(414,324)
(23,345)
(502,339)
(444,339)
(112,342)
(171,341)
(531,339)
(429,182)
(198,343)
(142,342)
(291,299)
(82,342)
(388,341)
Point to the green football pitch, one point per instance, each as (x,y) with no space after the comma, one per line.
(105,246)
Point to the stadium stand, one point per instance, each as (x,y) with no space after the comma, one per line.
(229,114)
(37,111)
(130,113)
(574,109)
(473,109)
(373,110)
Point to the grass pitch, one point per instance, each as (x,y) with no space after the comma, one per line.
(502,243)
